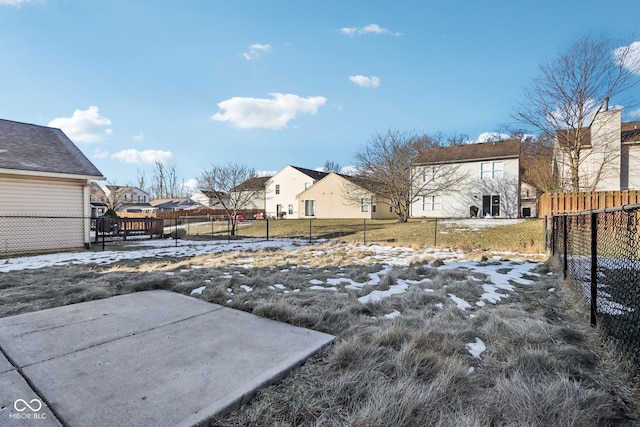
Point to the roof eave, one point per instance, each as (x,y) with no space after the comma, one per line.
(56,175)
(481,159)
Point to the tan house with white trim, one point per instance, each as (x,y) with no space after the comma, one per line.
(339,196)
(44,189)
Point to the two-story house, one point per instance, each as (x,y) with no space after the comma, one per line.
(125,198)
(609,154)
(251,194)
(490,186)
(283,187)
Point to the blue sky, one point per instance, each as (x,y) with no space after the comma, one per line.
(272,83)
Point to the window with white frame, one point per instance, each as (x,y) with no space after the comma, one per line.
(428,174)
(309,208)
(491,170)
(431,203)
(290,209)
(277,188)
(364,204)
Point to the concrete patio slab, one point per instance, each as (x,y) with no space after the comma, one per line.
(149,359)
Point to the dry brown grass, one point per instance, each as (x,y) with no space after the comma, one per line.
(543,364)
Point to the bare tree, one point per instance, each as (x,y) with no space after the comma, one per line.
(564,99)
(387,159)
(331,166)
(228,180)
(164,182)
(142,184)
(113,196)
(536,163)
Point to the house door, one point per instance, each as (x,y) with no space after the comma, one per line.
(491,205)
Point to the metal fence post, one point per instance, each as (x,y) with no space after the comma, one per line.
(176,230)
(564,244)
(594,267)
(309,230)
(267,220)
(364,230)
(435,233)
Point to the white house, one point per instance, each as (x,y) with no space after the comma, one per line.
(44,189)
(282,188)
(125,198)
(491,184)
(609,156)
(209,199)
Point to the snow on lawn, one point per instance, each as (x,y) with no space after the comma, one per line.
(476,348)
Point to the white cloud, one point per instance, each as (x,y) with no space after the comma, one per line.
(16,3)
(364,81)
(100,154)
(369,29)
(490,136)
(191,184)
(634,113)
(272,113)
(139,137)
(629,56)
(256,50)
(84,126)
(147,156)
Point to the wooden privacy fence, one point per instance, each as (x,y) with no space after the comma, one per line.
(558,203)
(211,213)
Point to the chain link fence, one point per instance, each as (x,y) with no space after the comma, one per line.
(24,234)
(521,235)
(600,254)
(29,234)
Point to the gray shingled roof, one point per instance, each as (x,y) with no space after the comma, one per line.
(28,147)
(317,175)
(469,152)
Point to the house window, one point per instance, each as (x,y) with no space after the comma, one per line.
(309,208)
(428,174)
(390,208)
(491,170)
(373,204)
(290,209)
(364,204)
(431,203)
(307,185)
(491,205)
(277,188)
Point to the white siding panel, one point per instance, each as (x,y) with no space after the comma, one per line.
(23,205)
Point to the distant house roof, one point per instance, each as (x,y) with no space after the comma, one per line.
(366,183)
(252,184)
(317,175)
(469,152)
(173,204)
(32,148)
(629,132)
(213,194)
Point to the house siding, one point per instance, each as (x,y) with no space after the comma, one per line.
(337,198)
(290,182)
(458,204)
(43,198)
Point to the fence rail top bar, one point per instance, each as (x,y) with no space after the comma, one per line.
(624,208)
